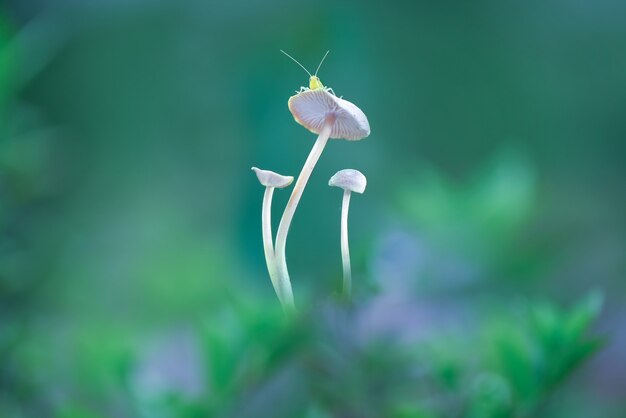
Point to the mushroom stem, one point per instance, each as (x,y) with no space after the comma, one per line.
(283,229)
(345,250)
(268,245)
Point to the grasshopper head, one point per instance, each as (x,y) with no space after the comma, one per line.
(315,83)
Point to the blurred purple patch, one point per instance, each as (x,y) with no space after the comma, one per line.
(413,278)
(170,363)
(399,260)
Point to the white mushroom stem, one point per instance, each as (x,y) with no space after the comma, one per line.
(283,229)
(349,180)
(345,250)
(268,245)
(271,180)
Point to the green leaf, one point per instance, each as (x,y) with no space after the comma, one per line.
(75,411)
(490,396)
(410,410)
(517,361)
(316,411)
(583,314)
(575,358)
(223,346)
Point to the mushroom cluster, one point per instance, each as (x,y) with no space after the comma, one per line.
(320,111)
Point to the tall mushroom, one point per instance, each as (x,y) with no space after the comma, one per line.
(329,116)
(272,180)
(350,181)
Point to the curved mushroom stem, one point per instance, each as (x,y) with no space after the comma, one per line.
(268,245)
(345,250)
(281,236)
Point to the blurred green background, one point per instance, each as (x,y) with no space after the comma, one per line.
(488,250)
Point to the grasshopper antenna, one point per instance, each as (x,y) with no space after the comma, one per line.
(319,66)
(296,61)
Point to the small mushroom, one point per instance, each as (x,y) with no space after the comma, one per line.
(272,180)
(329,116)
(350,181)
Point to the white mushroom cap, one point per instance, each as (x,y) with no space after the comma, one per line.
(270,179)
(349,179)
(310,108)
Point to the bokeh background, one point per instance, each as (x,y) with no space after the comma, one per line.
(488,249)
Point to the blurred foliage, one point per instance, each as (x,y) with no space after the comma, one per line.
(479,222)
(258,364)
(523,358)
(132,282)
(493,206)
(25,177)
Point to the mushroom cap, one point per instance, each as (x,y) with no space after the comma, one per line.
(349,179)
(310,108)
(270,179)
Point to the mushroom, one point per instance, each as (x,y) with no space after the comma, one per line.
(329,116)
(350,181)
(310,108)
(272,180)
